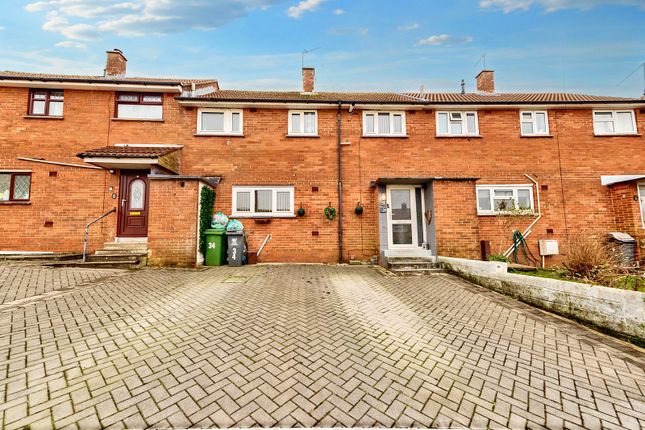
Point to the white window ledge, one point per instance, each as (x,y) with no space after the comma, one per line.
(399,136)
(507,213)
(616,134)
(139,119)
(43,117)
(536,135)
(204,133)
(463,136)
(259,216)
(302,135)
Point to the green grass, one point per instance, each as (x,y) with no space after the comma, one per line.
(627,282)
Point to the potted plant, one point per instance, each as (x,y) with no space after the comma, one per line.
(301,210)
(330,212)
(358,210)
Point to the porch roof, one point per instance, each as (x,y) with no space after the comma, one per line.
(134,156)
(617,179)
(417,180)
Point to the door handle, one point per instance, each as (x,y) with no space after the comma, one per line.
(123,202)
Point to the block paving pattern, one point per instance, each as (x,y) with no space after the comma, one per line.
(306,346)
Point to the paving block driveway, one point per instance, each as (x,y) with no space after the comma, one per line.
(303,346)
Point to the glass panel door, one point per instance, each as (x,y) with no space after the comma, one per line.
(402,217)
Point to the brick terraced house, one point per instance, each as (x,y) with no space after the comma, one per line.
(433,172)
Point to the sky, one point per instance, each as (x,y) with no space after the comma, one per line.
(584,46)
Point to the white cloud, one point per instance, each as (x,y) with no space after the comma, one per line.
(555,5)
(408,27)
(444,39)
(90,19)
(71,44)
(304,6)
(339,11)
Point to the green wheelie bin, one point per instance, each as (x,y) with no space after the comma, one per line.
(215,247)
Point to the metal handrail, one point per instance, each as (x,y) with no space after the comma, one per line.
(87,231)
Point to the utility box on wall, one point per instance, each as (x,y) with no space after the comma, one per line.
(549,247)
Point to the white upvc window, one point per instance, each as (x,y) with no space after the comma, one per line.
(457,123)
(262,201)
(219,122)
(303,123)
(500,199)
(534,123)
(608,122)
(384,123)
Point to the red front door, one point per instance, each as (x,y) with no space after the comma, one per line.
(133,214)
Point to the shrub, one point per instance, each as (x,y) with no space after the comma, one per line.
(498,257)
(207,199)
(591,259)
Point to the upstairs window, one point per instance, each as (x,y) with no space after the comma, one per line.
(534,123)
(608,122)
(303,123)
(496,199)
(263,201)
(15,187)
(384,123)
(219,122)
(457,124)
(46,102)
(139,106)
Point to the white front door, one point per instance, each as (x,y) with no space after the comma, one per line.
(402,216)
(641,195)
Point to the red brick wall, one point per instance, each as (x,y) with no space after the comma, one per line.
(172,225)
(626,209)
(455,215)
(569,164)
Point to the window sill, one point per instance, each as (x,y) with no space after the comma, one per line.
(42,117)
(528,214)
(267,216)
(533,136)
(218,134)
(458,136)
(386,136)
(138,119)
(315,136)
(618,135)
(9,203)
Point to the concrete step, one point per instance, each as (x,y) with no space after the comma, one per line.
(132,263)
(117,251)
(411,271)
(411,264)
(417,259)
(117,256)
(38,257)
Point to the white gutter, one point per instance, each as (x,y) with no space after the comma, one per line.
(152,88)
(528,230)
(298,105)
(58,163)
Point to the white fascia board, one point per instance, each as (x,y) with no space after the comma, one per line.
(151,145)
(616,179)
(91,86)
(530,107)
(297,106)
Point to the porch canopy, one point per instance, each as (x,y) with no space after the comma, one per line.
(617,179)
(134,157)
(416,180)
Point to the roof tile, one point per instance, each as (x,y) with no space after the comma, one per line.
(129,151)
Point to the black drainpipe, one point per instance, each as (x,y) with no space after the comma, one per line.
(340,193)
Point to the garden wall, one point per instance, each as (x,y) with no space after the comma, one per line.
(621,311)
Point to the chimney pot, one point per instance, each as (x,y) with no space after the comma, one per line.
(115,64)
(486,81)
(308,79)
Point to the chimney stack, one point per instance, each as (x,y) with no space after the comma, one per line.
(308,79)
(115,64)
(486,81)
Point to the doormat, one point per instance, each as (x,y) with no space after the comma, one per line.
(236,279)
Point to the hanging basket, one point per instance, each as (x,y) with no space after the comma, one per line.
(330,213)
(358,210)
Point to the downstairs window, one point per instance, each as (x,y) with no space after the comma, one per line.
(263,201)
(15,186)
(500,199)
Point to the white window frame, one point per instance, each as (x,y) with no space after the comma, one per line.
(464,123)
(302,123)
(641,197)
(613,119)
(228,122)
(274,213)
(376,132)
(533,121)
(491,190)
